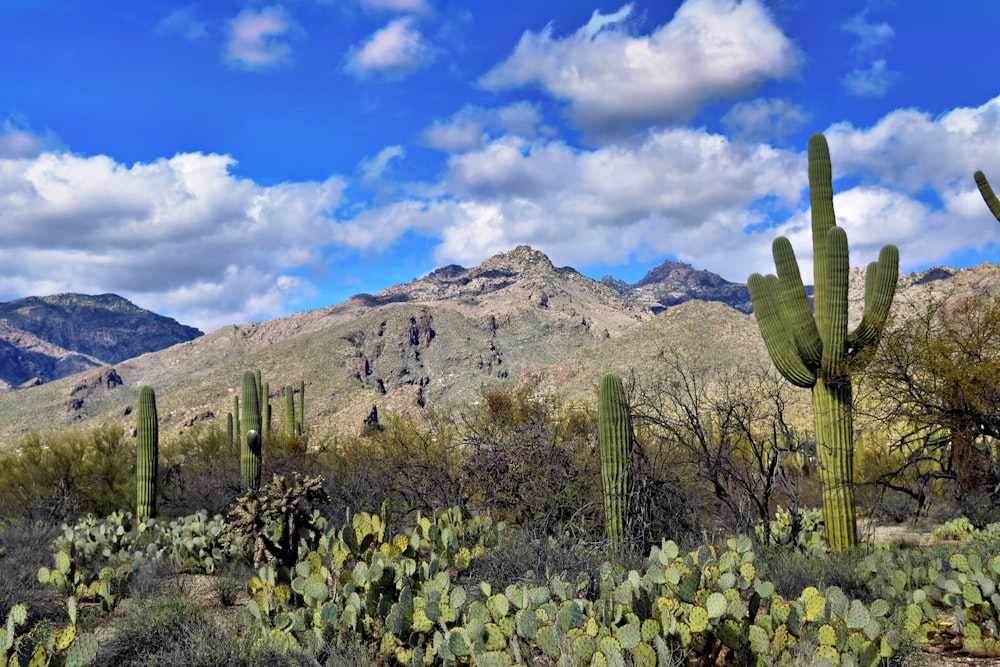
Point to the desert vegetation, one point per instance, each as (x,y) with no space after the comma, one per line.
(684,514)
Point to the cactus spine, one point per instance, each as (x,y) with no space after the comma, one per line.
(987,192)
(615,436)
(147,453)
(816,351)
(250,444)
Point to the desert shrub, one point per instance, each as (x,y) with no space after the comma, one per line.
(791,571)
(531,461)
(413,465)
(523,557)
(23,547)
(56,476)
(173,629)
(199,469)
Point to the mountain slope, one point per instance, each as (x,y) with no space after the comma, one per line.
(45,338)
(430,343)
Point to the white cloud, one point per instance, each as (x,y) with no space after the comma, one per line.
(181,235)
(764,119)
(911,150)
(468,129)
(373,169)
(612,80)
(872,37)
(711,201)
(184,21)
(17,139)
(257,38)
(874,78)
(409,6)
(871,82)
(394,50)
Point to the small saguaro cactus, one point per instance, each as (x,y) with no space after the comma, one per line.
(988,195)
(815,351)
(300,424)
(615,437)
(250,445)
(236,421)
(147,453)
(289,411)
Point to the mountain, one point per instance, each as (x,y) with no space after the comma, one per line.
(672,283)
(46,338)
(434,342)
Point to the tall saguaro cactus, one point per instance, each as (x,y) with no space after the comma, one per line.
(816,351)
(250,444)
(988,195)
(615,436)
(147,453)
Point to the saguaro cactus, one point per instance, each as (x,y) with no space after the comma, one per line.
(615,437)
(250,444)
(289,411)
(816,351)
(988,195)
(265,409)
(147,453)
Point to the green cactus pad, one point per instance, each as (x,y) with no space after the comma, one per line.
(582,648)
(698,619)
(716,605)
(629,635)
(644,655)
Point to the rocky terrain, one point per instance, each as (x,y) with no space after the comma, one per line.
(46,338)
(434,343)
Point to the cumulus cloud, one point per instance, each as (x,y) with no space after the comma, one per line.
(394,50)
(715,202)
(257,39)
(468,128)
(613,80)
(764,119)
(180,235)
(184,21)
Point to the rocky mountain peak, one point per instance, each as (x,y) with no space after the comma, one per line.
(521,259)
(673,282)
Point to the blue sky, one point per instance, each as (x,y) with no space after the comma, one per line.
(224,162)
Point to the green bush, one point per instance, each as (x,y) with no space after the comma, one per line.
(56,476)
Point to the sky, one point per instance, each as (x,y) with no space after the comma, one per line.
(233,161)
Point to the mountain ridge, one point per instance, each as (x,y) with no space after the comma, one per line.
(434,342)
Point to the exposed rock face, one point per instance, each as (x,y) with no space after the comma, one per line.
(672,283)
(45,338)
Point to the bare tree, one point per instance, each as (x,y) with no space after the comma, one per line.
(934,388)
(730,428)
